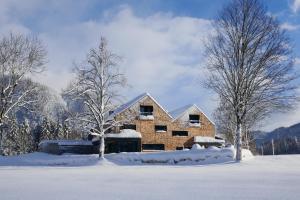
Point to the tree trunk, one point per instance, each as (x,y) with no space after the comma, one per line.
(101,147)
(238,142)
(1,137)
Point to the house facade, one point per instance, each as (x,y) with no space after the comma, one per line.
(147,126)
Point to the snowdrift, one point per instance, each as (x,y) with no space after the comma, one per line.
(44,159)
(196,156)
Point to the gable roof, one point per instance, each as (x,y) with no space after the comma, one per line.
(177,113)
(180,111)
(132,102)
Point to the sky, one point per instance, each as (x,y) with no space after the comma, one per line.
(161,43)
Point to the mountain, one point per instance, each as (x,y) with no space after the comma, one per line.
(286,140)
(283,132)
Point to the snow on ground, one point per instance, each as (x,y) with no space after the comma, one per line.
(196,156)
(268,177)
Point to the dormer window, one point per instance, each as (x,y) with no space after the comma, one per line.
(146,112)
(194,120)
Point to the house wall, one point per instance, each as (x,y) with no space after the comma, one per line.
(147,127)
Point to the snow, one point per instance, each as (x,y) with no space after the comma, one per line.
(44,159)
(134,101)
(179,111)
(67,142)
(127,105)
(146,117)
(160,131)
(196,147)
(267,177)
(183,112)
(125,133)
(205,139)
(195,156)
(194,124)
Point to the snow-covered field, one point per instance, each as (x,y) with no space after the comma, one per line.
(269,177)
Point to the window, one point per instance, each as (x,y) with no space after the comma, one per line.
(180,133)
(153,147)
(194,119)
(179,148)
(146,110)
(160,128)
(128,126)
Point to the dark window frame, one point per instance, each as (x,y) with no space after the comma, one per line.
(153,147)
(128,126)
(158,128)
(194,119)
(146,110)
(180,133)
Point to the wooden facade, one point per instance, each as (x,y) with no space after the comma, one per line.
(162,130)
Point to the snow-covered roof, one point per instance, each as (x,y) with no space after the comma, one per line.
(204,139)
(125,133)
(177,113)
(133,102)
(66,142)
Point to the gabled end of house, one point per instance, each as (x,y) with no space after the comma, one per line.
(160,129)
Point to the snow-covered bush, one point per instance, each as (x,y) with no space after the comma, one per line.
(196,147)
(197,155)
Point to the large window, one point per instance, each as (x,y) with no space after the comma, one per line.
(146,110)
(180,133)
(160,128)
(129,126)
(153,147)
(194,119)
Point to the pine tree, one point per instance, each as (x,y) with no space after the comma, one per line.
(25,138)
(9,146)
(46,134)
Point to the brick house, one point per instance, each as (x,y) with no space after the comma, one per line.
(147,126)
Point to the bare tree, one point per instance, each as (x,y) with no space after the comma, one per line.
(96,84)
(250,63)
(226,122)
(20,56)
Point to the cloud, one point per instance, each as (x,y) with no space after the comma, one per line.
(158,50)
(289,27)
(295,6)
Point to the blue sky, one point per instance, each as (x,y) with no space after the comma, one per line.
(161,42)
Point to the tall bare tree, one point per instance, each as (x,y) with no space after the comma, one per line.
(250,63)
(97,82)
(226,122)
(20,56)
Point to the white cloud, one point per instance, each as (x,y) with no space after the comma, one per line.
(295,6)
(157,50)
(289,27)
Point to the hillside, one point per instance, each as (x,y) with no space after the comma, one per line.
(286,140)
